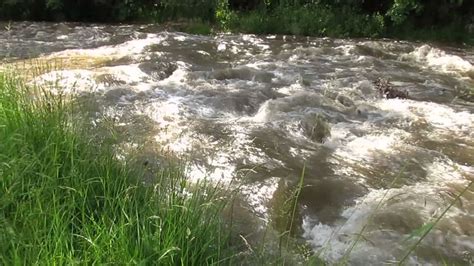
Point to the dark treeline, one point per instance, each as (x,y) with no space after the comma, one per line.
(451,20)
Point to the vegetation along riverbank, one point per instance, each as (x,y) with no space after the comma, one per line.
(440,20)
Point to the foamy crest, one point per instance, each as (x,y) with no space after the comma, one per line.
(79,80)
(438,116)
(129,48)
(439,60)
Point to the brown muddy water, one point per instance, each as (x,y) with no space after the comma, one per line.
(256,110)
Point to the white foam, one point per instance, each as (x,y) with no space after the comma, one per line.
(295,105)
(79,80)
(439,60)
(167,114)
(361,148)
(347,49)
(68,81)
(222,173)
(262,113)
(129,48)
(180,38)
(437,115)
(258,195)
(129,73)
(221,47)
(255,41)
(203,53)
(445,171)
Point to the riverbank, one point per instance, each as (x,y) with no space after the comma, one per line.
(65,198)
(409,20)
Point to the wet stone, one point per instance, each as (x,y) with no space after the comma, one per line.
(316,128)
(109,80)
(344,100)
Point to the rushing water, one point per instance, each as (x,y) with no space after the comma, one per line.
(257,110)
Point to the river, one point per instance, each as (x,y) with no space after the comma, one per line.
(255,112)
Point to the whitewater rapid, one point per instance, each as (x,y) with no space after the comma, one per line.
(253,111)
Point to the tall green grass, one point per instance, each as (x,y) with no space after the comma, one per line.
(66,199)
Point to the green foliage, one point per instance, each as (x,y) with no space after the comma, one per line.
(223,14)
(184,9)
(198,27)
(310,20)
(54,4)
(400,10)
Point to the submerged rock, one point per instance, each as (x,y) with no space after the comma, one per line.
(387,90)
(158,70)
(316,128)
(109,80)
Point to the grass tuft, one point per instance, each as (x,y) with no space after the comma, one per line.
(66,201)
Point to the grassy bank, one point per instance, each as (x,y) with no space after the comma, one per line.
(323,21)
(66,199)
(309,20)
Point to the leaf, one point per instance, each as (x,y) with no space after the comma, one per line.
(168,251)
